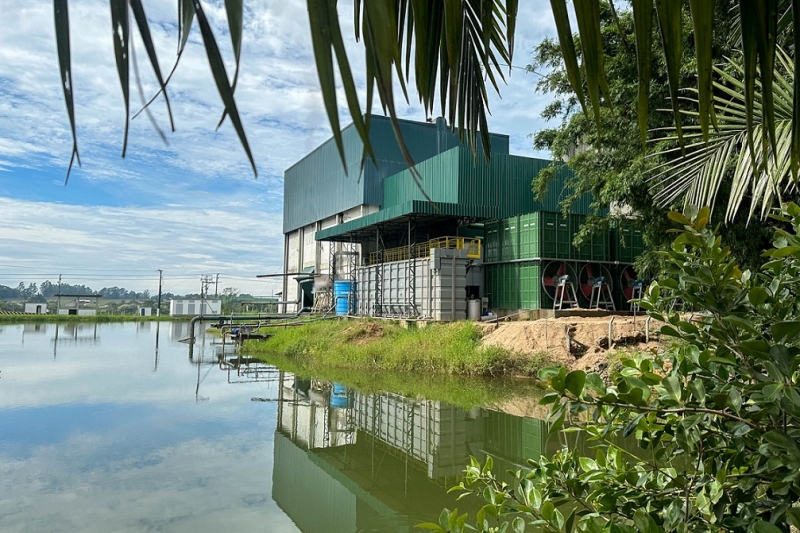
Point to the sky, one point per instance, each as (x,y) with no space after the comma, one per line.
(191,207)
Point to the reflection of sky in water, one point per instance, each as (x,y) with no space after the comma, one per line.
(94,438)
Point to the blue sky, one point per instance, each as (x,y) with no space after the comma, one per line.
(192,207)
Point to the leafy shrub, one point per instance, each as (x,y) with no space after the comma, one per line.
(715,421)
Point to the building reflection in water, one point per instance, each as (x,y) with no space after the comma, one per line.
(346,461)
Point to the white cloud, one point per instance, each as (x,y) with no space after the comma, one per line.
(202,179)
(183,241)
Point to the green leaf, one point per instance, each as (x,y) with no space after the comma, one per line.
(680,218)
(144,30)
(556,419)
(702,21)
(61,17)
(672,385)
(670,23)
(575,382)
(795,136)
(698,390)
(757,296)
(765,527)
(233,10)
(786,331)
(221,79)
(559,8)
(431,527)
(548,510)
(595,383)
(518,525)
(587,13)
(120,33)
(643,26)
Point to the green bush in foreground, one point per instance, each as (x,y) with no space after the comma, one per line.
(716,418)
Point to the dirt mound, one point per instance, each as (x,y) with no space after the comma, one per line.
(576,342)
(361,333)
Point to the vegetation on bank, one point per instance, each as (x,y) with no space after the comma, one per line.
(68,319)
(463,391)
(374,345)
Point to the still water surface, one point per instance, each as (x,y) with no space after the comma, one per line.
(114,428)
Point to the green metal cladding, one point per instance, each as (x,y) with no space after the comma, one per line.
(319,186)
(458,177)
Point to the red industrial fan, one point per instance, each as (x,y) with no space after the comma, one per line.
(552,273)
(626,281)
(589,273)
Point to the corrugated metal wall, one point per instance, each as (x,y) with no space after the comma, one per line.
(457,177)
(317,187)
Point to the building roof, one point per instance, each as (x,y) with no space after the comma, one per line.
(319,185)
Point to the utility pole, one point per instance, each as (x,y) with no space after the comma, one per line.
(158,310)
(58,305)
(216,287)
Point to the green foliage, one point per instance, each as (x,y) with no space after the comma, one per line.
(701,438)
(610,162)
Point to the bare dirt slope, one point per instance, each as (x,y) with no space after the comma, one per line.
(576,342)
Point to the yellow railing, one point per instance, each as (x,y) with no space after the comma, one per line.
(472,246)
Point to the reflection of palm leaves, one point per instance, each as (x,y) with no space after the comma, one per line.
(699,175)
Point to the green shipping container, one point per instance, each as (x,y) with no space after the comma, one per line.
(491,242)
(509,239)
(543,235)
(627,241)
(519,285)
(599,246)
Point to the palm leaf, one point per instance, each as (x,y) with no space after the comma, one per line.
(221,79)
(61,17)
(120,27)
(757,175)
(643,26)
(234,9)
(144,31)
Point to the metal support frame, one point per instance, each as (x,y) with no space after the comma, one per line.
(411,281)
(352,295)
(565,294)
(601,295)
(378,309)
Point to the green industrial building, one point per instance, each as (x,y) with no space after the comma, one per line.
(458,235)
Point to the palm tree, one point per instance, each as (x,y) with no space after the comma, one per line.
(457,45)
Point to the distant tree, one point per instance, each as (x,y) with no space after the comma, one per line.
(229,298)
(48,289)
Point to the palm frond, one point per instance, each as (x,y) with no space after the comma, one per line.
(456,46)
(759,171)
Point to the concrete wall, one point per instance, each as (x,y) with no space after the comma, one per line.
(36,308)
(79,312)
(194,307)
(303,252)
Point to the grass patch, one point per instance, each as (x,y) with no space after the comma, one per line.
(374,345)
(97,319)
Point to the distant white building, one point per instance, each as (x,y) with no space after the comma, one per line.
(77,304)
(145,311)
(36,308)
(194,307)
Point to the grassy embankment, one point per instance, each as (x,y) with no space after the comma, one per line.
(440,361)
(70,319)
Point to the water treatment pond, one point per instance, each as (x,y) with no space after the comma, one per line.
(112,427)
